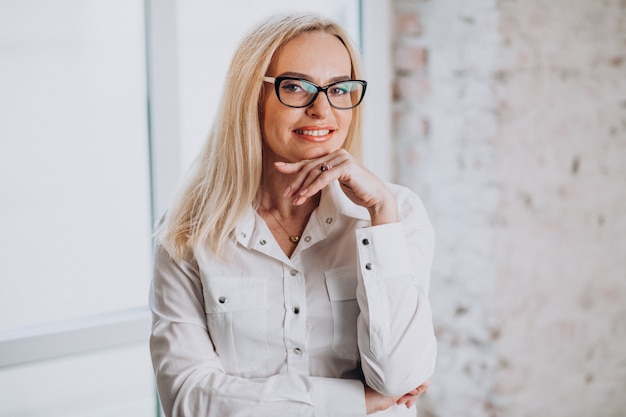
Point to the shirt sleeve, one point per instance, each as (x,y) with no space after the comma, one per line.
(395,330)
(192,382)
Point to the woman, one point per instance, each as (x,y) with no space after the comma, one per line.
(289,280)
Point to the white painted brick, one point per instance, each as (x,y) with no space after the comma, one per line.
(523,170)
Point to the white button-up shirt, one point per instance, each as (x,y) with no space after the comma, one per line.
(261,334)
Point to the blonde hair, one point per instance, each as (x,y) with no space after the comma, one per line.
(225,177)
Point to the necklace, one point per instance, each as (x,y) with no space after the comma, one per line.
(293,238)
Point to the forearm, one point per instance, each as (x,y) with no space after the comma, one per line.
(395,332)
(192,382)
(208,393)
(406,360)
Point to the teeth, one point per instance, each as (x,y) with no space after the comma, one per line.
(313,132)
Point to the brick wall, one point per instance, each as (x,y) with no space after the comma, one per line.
(510,122)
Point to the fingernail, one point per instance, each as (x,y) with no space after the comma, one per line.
(279,163)
(286,192)
(303,192)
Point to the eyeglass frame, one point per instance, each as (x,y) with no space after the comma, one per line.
(277,80)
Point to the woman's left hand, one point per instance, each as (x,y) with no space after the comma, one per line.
(360,185)
(409,398)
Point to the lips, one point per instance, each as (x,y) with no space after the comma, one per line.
(315,133)
(318,132)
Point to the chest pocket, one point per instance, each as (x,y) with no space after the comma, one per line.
(341,284)
(237,321)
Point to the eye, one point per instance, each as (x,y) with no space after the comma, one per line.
(340,89)
(290,86)
(343,88)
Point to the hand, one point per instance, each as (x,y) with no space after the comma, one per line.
(409,398)
(360,185)
(375,401)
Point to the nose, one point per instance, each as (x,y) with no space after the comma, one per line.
(320,107)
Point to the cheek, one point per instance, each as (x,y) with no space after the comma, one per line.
(348,120)
(345,120)
(267,121)
(278,119)
(273,128)
(269,124)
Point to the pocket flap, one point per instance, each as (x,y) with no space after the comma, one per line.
(230,294)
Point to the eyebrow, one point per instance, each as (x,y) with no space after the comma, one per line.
(308,77)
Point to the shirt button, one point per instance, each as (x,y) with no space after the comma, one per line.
(365,241)
(293,272)
(297,351)
(263,242)
(368,266)
(307,239)
(296,310)
(222,300)
(329,220)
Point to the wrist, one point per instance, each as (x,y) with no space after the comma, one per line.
(384,213)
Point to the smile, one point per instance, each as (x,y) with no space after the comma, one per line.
(323,132)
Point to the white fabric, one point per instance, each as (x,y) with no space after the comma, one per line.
(227,339)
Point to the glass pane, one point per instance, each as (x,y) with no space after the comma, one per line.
(93,385)
(74,185)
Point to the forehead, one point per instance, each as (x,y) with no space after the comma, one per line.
(317,54)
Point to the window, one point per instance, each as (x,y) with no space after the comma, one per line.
(85,168)
(75,224)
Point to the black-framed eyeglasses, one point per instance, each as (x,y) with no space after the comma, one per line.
(298,92)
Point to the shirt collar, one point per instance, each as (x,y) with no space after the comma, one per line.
(245,228)
(333,203)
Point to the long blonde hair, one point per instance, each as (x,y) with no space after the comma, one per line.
(224,179)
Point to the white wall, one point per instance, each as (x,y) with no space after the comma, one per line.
(511,124)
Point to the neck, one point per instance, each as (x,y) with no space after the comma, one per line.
(271,199)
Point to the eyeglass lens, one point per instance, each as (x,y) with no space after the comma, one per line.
(300,93)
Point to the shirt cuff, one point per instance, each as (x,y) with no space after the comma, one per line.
(383,248)
(335,397)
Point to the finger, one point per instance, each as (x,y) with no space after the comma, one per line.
(323,172)
(299,171)
(289,167)
(405,398)
(311,176)
(305,171)
(315,180)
